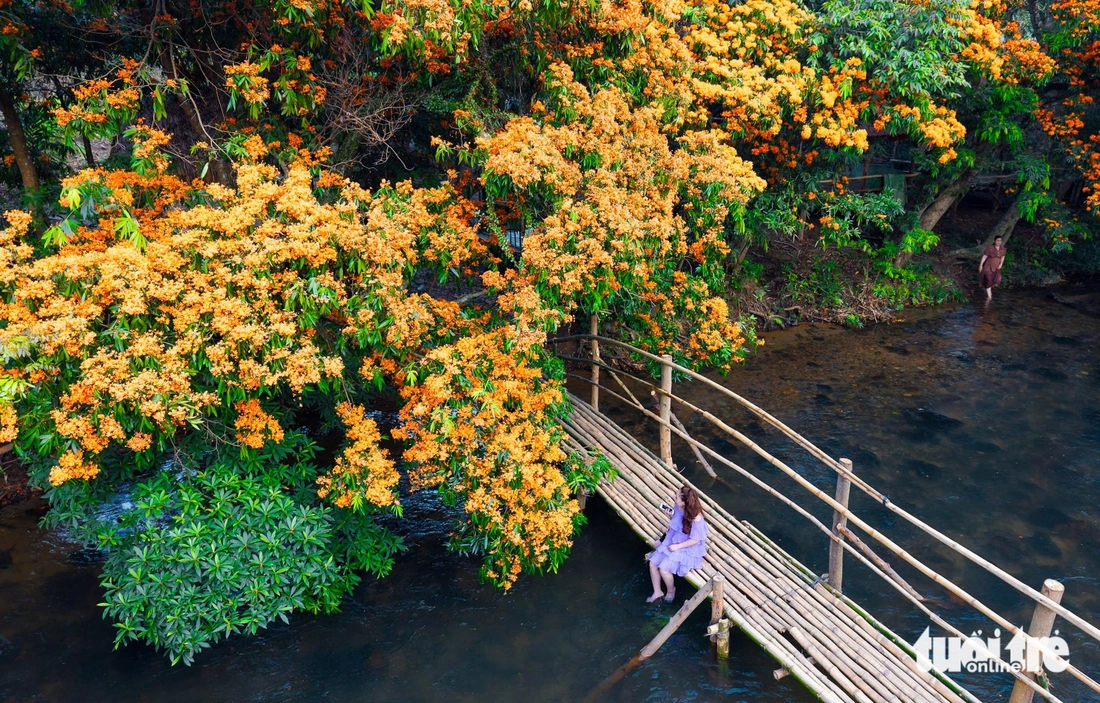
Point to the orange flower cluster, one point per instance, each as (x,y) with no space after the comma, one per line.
(362,474)
(616,183)
(254,426)
(480,425)
(245,78)
(71,465)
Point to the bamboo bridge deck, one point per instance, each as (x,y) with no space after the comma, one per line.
(817,634)
(818,637)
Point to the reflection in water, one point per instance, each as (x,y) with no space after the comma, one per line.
(982,420)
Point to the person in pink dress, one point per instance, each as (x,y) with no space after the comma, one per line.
(683,547)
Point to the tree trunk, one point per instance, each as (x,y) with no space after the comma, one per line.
(89,156)
(1003,229)
(934,211)
(221,170)
(18,139)
(1006,225)
(1033,13)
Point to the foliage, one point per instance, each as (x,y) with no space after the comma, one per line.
(236,264)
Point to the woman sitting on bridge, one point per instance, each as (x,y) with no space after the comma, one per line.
(682,549)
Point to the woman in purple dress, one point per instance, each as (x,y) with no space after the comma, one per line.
(682,549)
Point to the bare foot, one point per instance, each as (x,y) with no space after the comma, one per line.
(654,597)
(671,595)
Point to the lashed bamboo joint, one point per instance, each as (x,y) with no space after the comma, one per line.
(820,637)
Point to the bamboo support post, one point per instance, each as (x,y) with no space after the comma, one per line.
(674,622)
(594,326)
(836,549)
(723,639)
(1042,622)
(717,601)
(665,403)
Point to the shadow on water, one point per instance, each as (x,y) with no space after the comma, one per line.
(985,421)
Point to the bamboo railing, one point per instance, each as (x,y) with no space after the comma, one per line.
(842,537)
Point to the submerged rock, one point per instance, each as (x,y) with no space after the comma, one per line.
(1048,518)
(923,468)
(931,419)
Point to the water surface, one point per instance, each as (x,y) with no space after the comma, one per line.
(983,420)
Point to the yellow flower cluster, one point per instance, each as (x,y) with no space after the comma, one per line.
(478,424)
(363,472)
(246,79)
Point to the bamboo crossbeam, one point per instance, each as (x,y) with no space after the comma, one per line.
(879,561)
(1032,593)
(694,447)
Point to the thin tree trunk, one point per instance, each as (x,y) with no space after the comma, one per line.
(89,156)
(1005,226)
(935,210)
(221,170)
(18,140)
(1033,13)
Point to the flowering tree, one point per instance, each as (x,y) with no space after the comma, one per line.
(204,329)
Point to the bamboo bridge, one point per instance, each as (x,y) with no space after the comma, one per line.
(819,636)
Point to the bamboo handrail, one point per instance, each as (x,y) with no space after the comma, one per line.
(913,561)
(1035,595)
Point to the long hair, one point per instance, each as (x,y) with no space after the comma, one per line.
(692,507)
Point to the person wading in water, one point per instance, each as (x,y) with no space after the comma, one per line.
(990,266)
(682,549)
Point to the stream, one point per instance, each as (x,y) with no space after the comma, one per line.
(982,420)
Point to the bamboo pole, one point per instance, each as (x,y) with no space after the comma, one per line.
(717,602)
(879,561)
(1080,622)
(836,550)
(594,327)
(1042,622)
(694,447)
(666,409)
(723,638)
(674,622)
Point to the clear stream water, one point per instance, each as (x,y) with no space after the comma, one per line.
(983,420)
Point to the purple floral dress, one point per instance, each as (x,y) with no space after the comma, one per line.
(681,561)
